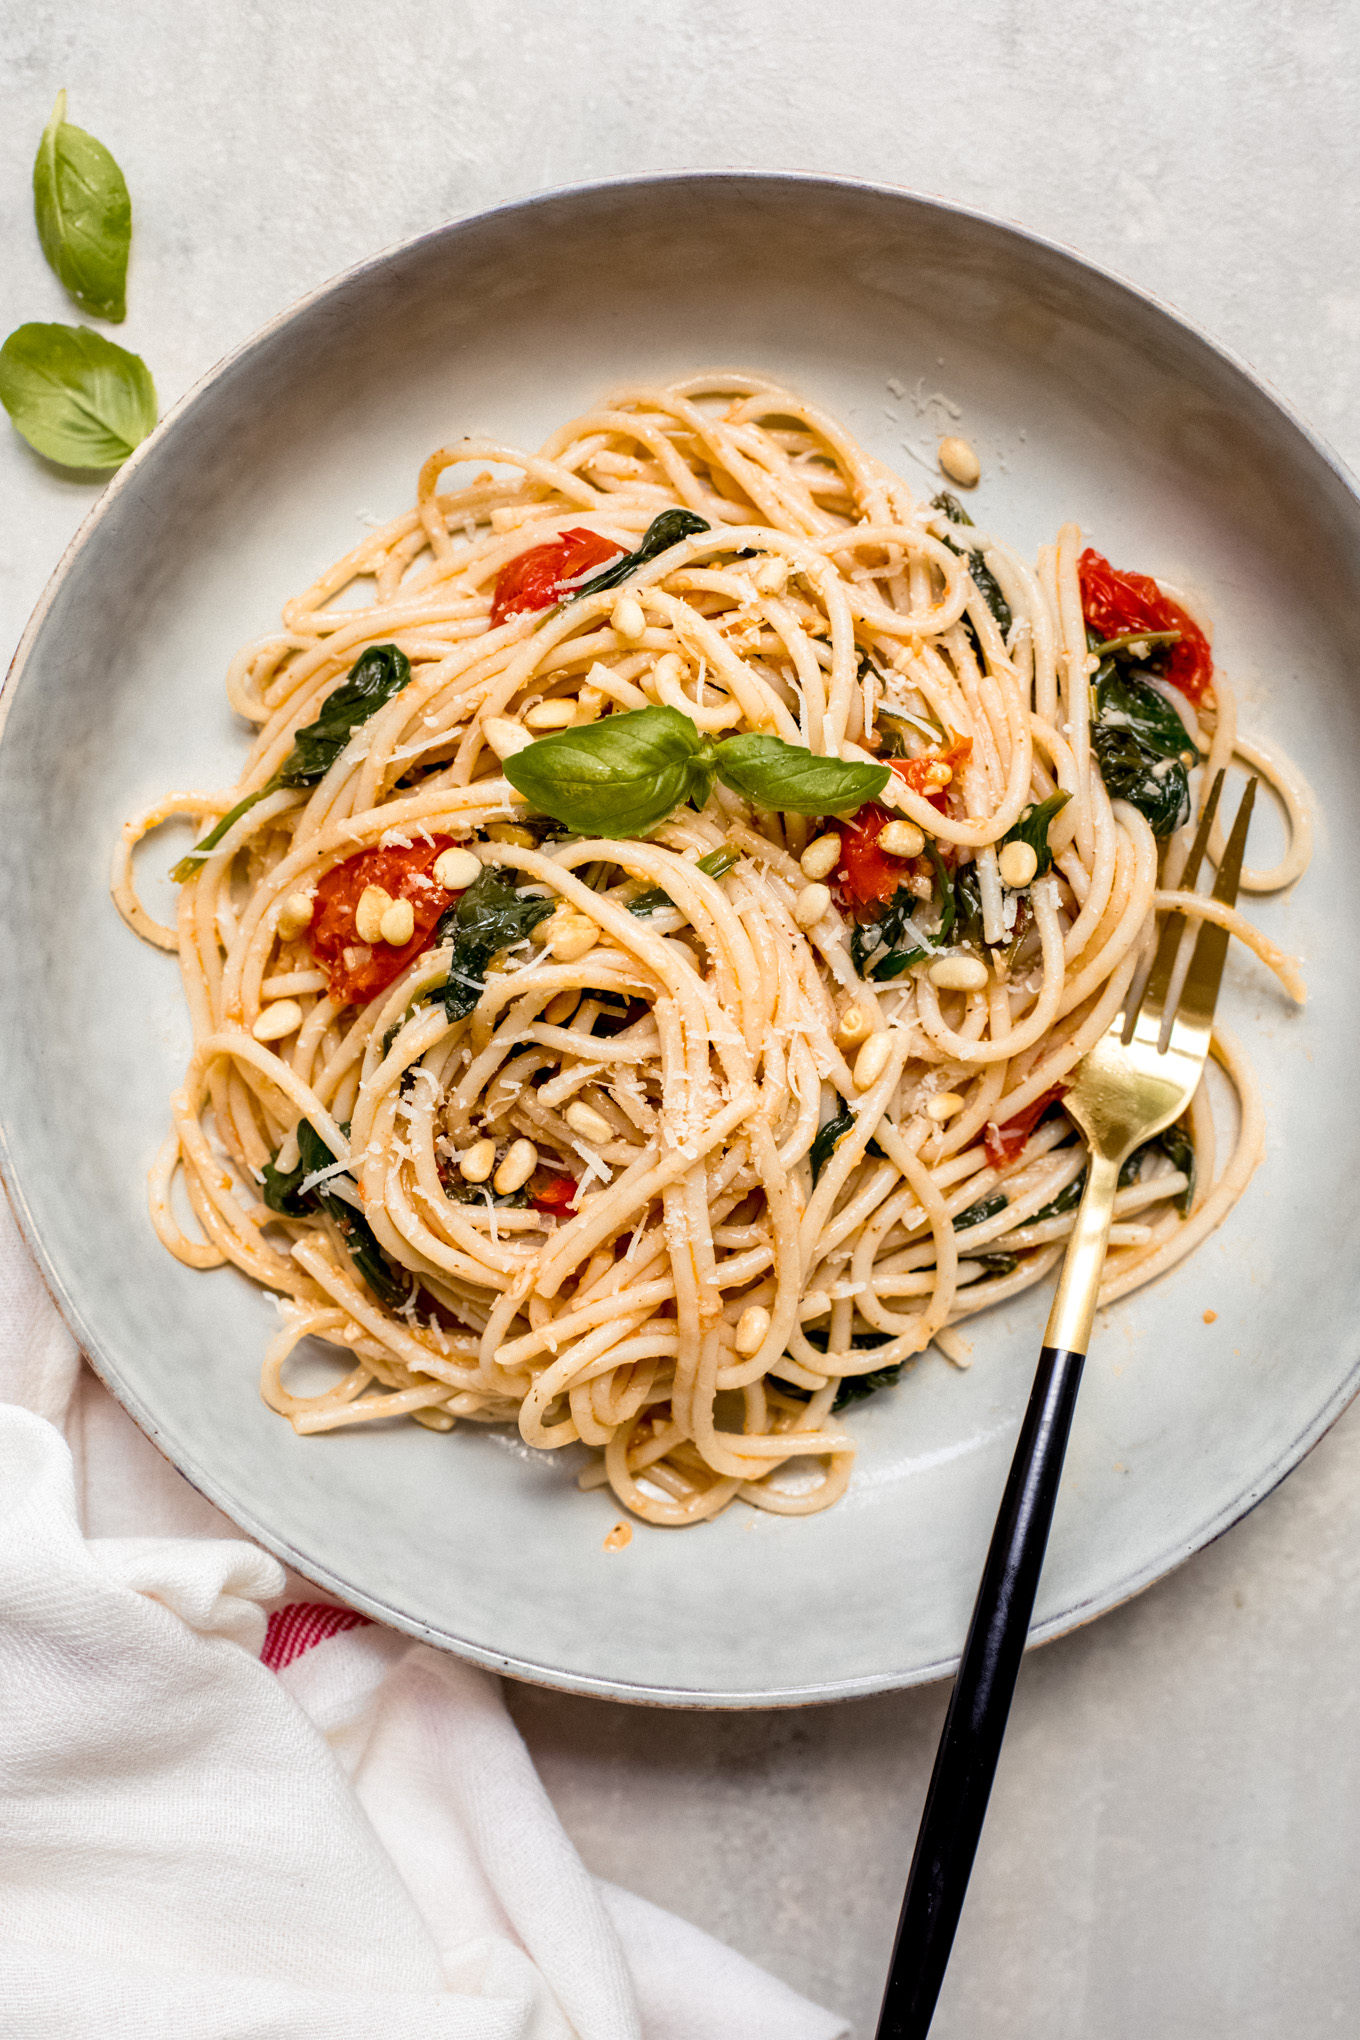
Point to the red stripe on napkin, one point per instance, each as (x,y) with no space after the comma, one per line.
(295,1628)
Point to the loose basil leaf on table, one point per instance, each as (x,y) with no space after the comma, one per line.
(1033,827)
(376,675)
(84,215)
(661,534)
(76,397)
(793,780)
(490,916)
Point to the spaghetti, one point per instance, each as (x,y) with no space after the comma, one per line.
(670,1114)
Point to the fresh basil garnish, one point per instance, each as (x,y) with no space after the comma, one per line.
(717,864)
(376,675)
(490,916)
(986,1207)
(624,775)
(984,580)
(76,397)
(1033,827)
(661,534)
(84,215)
(1142,747)
(283,1193)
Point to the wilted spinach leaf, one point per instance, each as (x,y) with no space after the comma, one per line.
(1033,827)
(984,580)
(490,916)
(661,534)
(282,1193)
(1142,747)
(986,1207)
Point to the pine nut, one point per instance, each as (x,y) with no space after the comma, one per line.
(752,1326)
(504,736)
(943,1106)
(628,619)
(872,1060)
(518,1166)
(959,461)
(294,916)
(821,857)
(810,905)
(772,575)
(512,833)
(550,715)
(573,936)
(591,1125)
(283,1017)
(1017,864)
(558,1011)
(398,924)
(958,974)
(456,869)
(855,1026)
(476,1165)
(901,839)
(374,901)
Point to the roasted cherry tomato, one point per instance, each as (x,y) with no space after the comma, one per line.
(867,876)
(1117,605)
(551,1193)
(537,578)
(1004,1143)
(355,971)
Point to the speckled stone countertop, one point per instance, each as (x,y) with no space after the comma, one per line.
(1174,1843)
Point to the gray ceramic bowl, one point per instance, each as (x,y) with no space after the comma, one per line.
(1085,400)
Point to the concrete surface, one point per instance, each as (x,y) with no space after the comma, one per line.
(1172,1844)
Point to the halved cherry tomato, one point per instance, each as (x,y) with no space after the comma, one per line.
(1004,1143)
(867,876)
(1117,604)
(920,775)
(535,579)
(355,971)
(551,1193)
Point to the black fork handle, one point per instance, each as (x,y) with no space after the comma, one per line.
(966,1760)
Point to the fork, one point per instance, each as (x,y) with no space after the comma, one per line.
(1137,1079)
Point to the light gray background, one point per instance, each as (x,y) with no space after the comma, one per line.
(1173,1838)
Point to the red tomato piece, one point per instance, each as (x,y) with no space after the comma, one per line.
(537,578)
(1004,1143)
(1117,604)
(552,1193)
(355,971)
(867,876)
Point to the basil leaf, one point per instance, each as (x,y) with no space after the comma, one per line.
(1124,702)
(859,1387)
(281,1191)
(951,506)
(787,777)
(618,777)
(893,965)
(717,864)
(76,397)
(984,580)
(885,932)
(392,1286)
(661,534)
(1033,827)
(84,215)
(828,1139)
(1158,787)
(1066,1200)
(967,898)
(986,1207)
(994,1265)
(948,910)
(376,675)
(490,916)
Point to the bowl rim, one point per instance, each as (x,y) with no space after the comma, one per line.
(783,182)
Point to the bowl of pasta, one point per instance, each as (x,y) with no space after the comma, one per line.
(640,737)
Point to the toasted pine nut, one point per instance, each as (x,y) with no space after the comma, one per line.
(374,901)
(628,619)
(810,905)
(820,858)
(274,1022)
(772,575)
(398,924)
(558,1011)
(518,1166)
(901,839)
(872,1060)
(513,833)
(476,1165)
(959,461)
(855,1026)
(504,736)
(572,936)
(958,974)
(752,1326)
(943,1106)
(550,715)
(294,916)
(1017,864)
(456,869)
(591,1125)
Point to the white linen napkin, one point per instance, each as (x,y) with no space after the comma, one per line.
(196,1847)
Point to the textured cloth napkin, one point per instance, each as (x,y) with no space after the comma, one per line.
(228,1812)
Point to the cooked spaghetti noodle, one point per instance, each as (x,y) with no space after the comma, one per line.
(682,1139)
